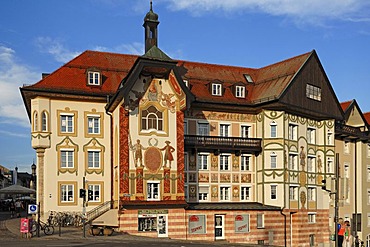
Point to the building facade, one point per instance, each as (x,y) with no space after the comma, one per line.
(189,150)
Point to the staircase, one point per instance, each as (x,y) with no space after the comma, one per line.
(103,215)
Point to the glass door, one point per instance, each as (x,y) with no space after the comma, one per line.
(162,225)
(219,227)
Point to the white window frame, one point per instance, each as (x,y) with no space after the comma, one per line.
(240,91)
(311,163)
(93,78)
(273,160)
(313,92)
(67,123)
(330,137)
(293,132)
(346,147)
(273,129)
(245,193)
(245,162)
(44,121)
(293,161)
(293,193)
(224,162)
(203,129)
(153,190)
(225,193)
(201,162)
(203,193)
(93,124)
(273,191)
(93,159)
(330,165)
(96,191)
(217,89)
(260,221)
(245,131)
(67,193)
(224,130)
(311,135)
(311,194)
(35,122)
(69,155)
(311,217)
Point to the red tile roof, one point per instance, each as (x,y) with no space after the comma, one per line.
(345,104)
(269,81)
(367,117)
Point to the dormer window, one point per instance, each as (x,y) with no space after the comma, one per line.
(93,78)
(217,89)
(248,78)
(186,83)
(240,91)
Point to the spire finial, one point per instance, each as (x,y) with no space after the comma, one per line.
(151,5)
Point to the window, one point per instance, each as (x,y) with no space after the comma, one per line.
(35,121)
(203,193)
(147,223)
(44,122)
(216,89)
(273,193)
(224,130)
(330,165)
(313,92)
(185,128)
(368,173)
(311,194)
(224,193)
(260,221)
(245,162)
(346,170)
(273,130)
(186,82)
(311,164)
(151,118)
(245,131)
(66,123)
(245,193)
(368,197)
(203,161)
(203,129)
(311,135)
(153,190)
(293,193)
(67,158)
(293,161)
(240,91)
(346,147)
(93,157)
(67,193)
(94,193)
(292,132)
(330,138)
(94,78)
(186,162)
(311,218)
(273,160)
(224,162)
(93,123)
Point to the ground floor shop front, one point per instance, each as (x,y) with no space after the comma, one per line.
(258,224)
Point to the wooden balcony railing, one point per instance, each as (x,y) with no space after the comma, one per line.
(223,144)
(343,131)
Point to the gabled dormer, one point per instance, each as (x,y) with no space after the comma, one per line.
(93,77)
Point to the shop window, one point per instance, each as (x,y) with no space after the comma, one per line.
(147,223)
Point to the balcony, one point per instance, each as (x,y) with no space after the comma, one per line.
(351,133)
(220,144)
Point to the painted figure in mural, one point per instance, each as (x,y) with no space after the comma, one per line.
(302,156)
(168,157)
(153,92)
(319,164)
(138,152)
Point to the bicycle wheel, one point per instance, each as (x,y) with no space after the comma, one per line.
(48,230)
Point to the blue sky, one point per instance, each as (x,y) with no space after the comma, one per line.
(41,35)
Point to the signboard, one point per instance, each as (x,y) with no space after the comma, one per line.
(242,223)
(32,209)
(152,211)
(197,224)
(25,225)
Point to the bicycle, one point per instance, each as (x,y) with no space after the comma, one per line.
(46,227)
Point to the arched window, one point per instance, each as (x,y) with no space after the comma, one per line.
(35,121)
(44,122)
(151,118)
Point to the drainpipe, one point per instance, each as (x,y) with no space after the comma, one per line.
(355,180)
(281,212)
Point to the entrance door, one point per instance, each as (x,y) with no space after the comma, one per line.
(162,225)
(219,226)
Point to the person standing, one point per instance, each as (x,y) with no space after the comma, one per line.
(347,234)
(341,231)
(11,208)
(18,208)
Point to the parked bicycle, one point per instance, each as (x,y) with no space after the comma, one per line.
(46,227)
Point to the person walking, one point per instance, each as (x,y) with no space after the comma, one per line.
(341,231)
(18,208)
(11,208)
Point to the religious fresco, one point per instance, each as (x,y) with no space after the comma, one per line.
(210,115)
(203,177)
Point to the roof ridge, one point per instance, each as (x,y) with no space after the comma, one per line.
(286,60)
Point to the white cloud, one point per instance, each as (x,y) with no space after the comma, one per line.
(13,75)
(135,48)
(303,10)
(55,48)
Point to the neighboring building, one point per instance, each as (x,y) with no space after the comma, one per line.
(352,145)
(189,150)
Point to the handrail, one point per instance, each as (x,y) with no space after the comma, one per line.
(99,210)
